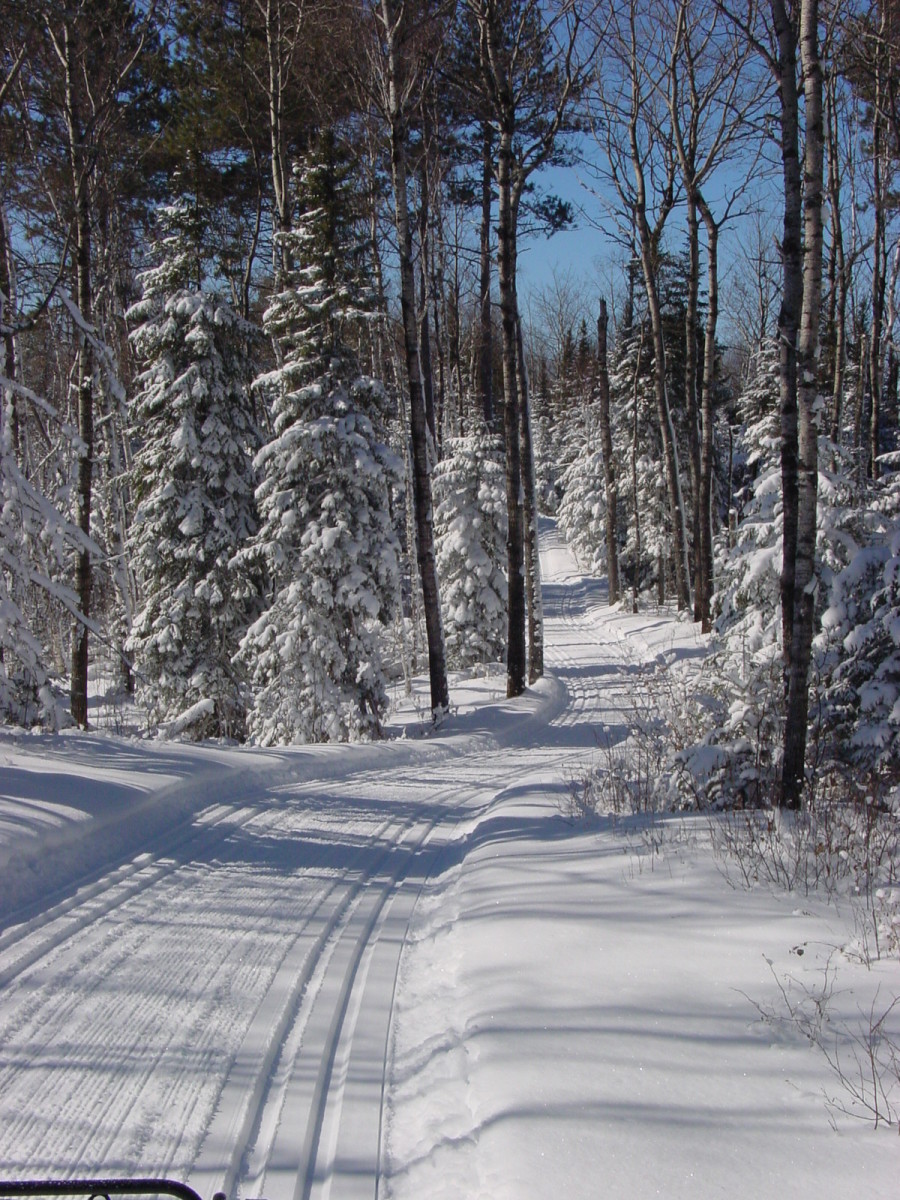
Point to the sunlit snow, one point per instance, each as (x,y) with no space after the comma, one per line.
(405,970)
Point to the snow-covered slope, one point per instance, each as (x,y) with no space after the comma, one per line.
(399,970)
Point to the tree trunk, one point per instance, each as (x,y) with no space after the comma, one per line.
(515,500)
(275,39)
(648,251)
(424,323)
(706,418)
(796,717)
(789,313)
(437,667)
(837,270)
(879,276)
(691,324)
(666,428)
(486,340)
(609,466)
(532,554)
(635,498)
(85,385)
(7,301)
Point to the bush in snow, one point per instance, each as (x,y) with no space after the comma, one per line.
(326,538)
(193,485)
(470,528)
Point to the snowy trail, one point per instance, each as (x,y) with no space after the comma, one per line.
(219,1005)
(397,972)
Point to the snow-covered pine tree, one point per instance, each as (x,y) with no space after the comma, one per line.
(546,469)
(582,510)
(643,504)
(326,536)
(747,600)
(193,485)
(470,539)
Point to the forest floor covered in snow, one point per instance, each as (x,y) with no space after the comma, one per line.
(417,970)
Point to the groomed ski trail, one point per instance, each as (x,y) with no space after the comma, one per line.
(218,1007)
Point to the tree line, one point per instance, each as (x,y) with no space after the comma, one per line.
(274,417)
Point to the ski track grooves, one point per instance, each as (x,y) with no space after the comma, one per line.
(291,1107)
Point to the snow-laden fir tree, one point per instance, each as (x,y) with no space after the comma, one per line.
(326,537)
(643,505)
(470,527)
(748,597)
(193,484)
(857,652)
(748,600)
(582,510)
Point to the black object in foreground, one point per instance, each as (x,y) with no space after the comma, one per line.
(100,1189)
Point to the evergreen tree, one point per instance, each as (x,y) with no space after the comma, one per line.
(582,510)
(635,434)
(470,537)
(751,686)
(747,600)
(326,537)
(858,650)
(193,486)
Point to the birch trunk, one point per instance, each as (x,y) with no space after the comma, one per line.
(796,717)
(789,313)
(532,555)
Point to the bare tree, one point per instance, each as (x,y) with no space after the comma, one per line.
(403,73)
(529,78)
(642,164)
(712,103)
(90,57)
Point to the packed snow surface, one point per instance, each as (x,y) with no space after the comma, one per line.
(405,970)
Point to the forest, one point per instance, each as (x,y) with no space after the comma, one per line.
(279,422)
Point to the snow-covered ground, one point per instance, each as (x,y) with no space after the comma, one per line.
(405,970)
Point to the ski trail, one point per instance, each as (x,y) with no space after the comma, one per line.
(220,1007)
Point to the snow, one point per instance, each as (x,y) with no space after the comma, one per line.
(403,969)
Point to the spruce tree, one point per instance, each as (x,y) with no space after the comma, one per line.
(326,538)
(193,486)
(582,510)
(470,536)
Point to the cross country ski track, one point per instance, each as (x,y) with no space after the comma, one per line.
(217,1005)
